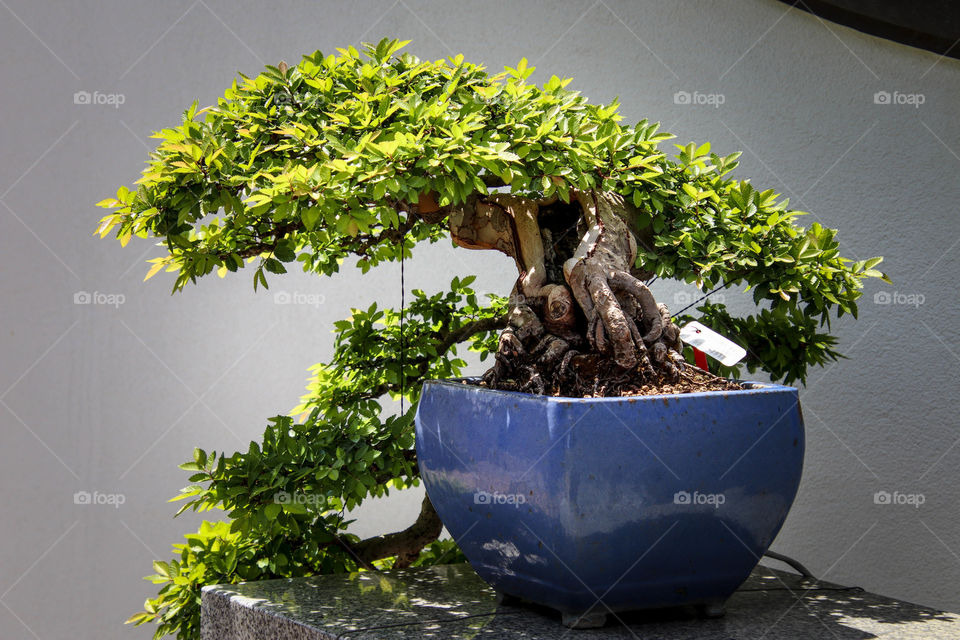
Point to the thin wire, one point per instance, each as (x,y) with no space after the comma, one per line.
(805,589)
(806,573)
(403,243)
(698,300)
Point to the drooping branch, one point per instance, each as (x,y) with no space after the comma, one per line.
(469,330)
(406,545)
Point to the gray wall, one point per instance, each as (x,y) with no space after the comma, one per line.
(111,398)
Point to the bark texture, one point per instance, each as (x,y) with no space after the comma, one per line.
(581,316)
(406,545)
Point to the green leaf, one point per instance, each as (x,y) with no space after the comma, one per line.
(273,266)
(285,253)
(310,216)
(294,508)
(272,510)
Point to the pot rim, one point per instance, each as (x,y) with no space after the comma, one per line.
(752,388)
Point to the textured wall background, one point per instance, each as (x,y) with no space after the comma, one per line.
(110,398)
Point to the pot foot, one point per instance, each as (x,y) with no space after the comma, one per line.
(712,610)
(506,600)
(588,620)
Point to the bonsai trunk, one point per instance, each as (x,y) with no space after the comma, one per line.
(580,313)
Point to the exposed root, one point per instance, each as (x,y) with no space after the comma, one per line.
(585,376)
(586,324)
(533,361)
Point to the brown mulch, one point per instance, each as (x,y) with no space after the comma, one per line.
(598,377)
(693,380)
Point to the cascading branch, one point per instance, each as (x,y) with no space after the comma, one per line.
(364,155)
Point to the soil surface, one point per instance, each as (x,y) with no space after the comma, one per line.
(598,377)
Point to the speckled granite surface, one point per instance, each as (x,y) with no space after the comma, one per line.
(451,602)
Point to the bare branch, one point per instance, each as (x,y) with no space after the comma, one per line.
(471,329)
(406,545)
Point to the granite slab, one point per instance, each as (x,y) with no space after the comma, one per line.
(452,602)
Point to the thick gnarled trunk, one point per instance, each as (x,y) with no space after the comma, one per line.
(579,305)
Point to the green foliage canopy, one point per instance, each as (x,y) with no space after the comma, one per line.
(321,160)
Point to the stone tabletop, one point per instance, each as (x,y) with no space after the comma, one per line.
(451,602)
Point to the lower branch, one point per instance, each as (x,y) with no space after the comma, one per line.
(469,330)
(406,545)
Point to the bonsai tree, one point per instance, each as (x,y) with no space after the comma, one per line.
(354,159)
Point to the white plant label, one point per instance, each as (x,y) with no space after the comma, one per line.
(712,343)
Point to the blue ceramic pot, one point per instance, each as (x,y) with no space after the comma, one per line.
(611,504)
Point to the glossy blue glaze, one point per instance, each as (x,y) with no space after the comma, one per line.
(636,502)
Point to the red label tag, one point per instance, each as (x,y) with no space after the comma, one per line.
(711,343)
(700,359)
